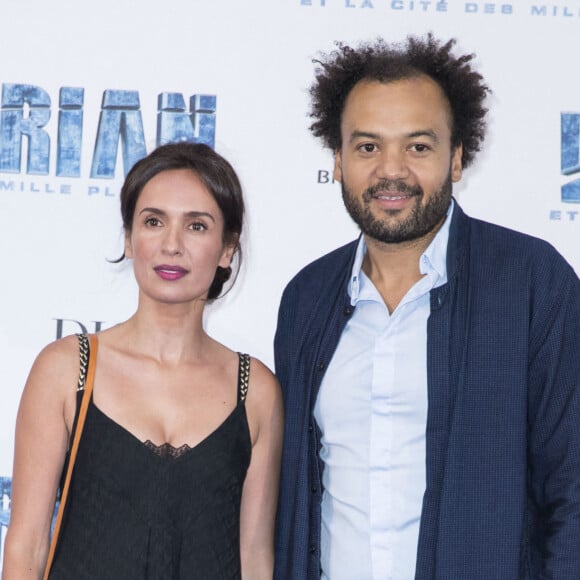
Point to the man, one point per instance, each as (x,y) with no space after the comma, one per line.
(431,368)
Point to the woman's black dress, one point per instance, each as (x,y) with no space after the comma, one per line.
(140,512)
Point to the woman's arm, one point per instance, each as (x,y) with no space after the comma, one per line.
(260,493)
(45,413)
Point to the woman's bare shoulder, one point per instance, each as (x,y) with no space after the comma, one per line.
(261,373)
(264,388)
(55,364)
(60,352)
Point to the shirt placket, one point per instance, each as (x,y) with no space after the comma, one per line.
(381,456)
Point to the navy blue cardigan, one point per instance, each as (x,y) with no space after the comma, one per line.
(502,497)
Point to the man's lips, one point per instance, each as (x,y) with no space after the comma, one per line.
(392,200)
(392,195)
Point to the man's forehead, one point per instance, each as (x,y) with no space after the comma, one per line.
(418,99)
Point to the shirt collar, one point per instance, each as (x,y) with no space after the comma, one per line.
(433,261)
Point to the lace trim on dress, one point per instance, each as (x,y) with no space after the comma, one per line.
(167,451)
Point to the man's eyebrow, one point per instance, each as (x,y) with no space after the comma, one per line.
(362,135)
(412,135)
(424,133)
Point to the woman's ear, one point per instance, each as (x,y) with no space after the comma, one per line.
(128,247)
(228,253)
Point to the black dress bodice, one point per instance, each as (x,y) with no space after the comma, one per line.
(135,514)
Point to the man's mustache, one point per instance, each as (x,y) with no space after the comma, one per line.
(391,186)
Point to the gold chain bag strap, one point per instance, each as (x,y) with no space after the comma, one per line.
(88,354)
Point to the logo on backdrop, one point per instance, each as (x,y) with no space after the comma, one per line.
(569,166)
(480,7)
(5,499)
(65,326)
(570,156)
(25,115)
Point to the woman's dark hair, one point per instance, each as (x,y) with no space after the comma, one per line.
(217,175)
(340,70)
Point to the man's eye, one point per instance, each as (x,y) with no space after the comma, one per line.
(198,226)
(152,221)
(420,148)
(367,147)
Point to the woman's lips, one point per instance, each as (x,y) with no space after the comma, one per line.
(166,272)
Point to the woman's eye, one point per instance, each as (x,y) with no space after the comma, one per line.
(198,226)
(152,221)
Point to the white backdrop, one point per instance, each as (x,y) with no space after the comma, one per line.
(255,57)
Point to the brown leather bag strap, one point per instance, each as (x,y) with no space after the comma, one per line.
(74,448)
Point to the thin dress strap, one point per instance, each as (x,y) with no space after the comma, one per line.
(243,376)
(84,357)
(84,351)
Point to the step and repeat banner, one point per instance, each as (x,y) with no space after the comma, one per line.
(86,91)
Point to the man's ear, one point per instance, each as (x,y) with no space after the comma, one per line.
(457,164)
(337,173)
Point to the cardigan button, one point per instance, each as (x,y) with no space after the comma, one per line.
(321,366)
(312,548)
(347,310)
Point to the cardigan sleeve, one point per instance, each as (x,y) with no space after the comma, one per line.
(554,421)
(291,539)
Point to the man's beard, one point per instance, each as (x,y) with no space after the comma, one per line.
(423,219)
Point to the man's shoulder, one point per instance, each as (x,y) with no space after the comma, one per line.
(309,300)
(509,245)
(326,270)
(495,233)
(498,253)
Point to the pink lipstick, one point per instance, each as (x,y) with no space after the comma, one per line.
(166,272)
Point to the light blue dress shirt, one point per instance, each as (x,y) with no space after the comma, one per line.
(372,411)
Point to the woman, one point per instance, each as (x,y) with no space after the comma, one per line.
(177,468)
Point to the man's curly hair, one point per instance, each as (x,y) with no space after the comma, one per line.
(340,70)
